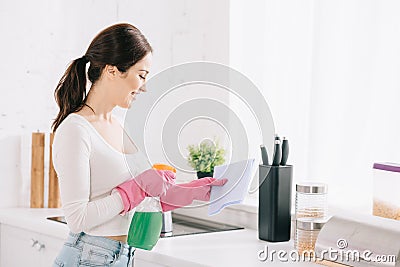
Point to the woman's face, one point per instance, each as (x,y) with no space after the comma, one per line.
(130,83)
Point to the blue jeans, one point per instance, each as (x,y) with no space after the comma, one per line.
(86,250)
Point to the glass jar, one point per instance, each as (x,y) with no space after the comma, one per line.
(311,200)
(307,231)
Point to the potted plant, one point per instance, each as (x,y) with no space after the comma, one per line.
(202,158)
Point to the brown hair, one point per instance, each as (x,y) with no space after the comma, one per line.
(120,45)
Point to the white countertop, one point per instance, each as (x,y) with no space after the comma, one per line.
(229,248)
(35,220)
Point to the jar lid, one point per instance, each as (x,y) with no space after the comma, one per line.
(312,188)
(310,224)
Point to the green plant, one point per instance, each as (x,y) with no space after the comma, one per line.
(204,157)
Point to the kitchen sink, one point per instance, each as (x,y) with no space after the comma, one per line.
(184,225)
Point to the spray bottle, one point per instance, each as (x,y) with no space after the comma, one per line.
(146,224)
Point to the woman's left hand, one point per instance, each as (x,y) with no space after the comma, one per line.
(180,195)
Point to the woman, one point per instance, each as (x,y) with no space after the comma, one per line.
(97,190)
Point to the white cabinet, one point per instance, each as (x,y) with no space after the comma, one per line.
(20,247)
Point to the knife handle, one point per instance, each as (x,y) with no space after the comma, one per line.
(277,153)
(285,151)
(264,155)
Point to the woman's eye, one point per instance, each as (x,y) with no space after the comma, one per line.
(142,77)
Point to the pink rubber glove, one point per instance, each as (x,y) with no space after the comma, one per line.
(149,183)
(179,195)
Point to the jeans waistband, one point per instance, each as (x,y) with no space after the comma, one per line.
(101,241)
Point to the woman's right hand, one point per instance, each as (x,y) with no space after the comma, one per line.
(155,183)
(149,183)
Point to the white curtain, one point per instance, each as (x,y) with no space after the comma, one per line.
(330,73)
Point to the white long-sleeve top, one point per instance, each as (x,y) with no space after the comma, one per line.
(88,168)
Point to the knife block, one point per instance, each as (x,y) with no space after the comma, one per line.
(274,208)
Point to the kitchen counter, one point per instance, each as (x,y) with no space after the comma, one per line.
(35,220)
(229,248)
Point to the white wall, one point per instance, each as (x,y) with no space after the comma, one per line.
(355,89)
(271,43)
(330,72)
(39,39)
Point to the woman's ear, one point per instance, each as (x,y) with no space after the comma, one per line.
(110,71)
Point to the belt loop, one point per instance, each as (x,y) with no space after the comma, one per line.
(77,238)
(121,250)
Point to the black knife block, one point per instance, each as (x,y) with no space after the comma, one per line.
(275,199)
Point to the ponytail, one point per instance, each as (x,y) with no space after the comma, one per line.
(70,93)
